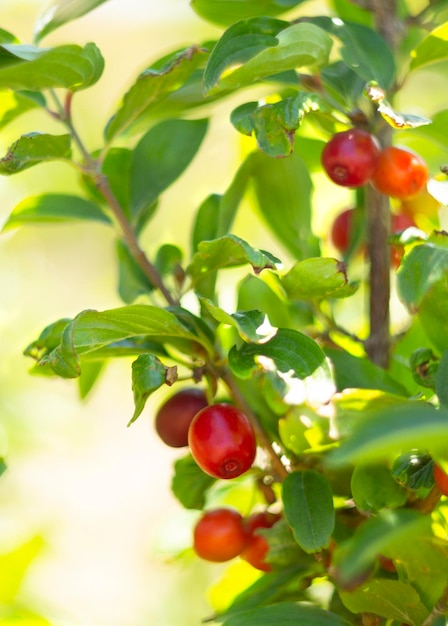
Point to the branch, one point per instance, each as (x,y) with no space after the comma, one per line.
(441,608)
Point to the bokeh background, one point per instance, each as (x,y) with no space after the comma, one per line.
(86,501)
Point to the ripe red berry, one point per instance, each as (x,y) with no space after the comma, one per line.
(441,479)
(257,546)
(341,230)
(222,441)
(219,535)
(400,173)
(350,157)
(174,417)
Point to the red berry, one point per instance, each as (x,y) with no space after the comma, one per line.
(257,545)
(441,479)
(174,417)
(350,157)
(222,441)
(219,535)
(341,230)
(400,173)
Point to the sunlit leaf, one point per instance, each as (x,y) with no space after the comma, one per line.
(33,149)
(16,103)
(69,66)
(432,49)
(55,208)
(317,278)
(14,566)
(59,12)
(389,431)
(260,47)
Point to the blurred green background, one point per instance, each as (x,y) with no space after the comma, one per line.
(85,501)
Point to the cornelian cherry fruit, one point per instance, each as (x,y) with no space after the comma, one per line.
(174,416)
(441,479)
(400,173)
(219,535)
(257,546)
(341,230)
(350,157)
(222,441)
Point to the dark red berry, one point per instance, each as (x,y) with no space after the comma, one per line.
(257,546)
(350,157)
(174,417)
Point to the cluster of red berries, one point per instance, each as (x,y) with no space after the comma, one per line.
(354,158)
(220,436)
(223,534)
(222,442)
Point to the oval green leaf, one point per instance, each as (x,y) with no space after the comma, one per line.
(32,149)
(308,504)
(227,12)
(56,208)
(59,13)
(374,488)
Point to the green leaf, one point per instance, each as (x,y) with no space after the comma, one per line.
(432,49)
(148,374)
(283,191)
(317,278)
(388,432)
(90,373)
(227,12)
(414,471)
(228,251)
(374,488)
(442,380)
(153,86)
(252,326)
(190,484)
(421,268)
(32,149)
(160,157)
(358,554)
(274,125)
(356,372)
(297,361)
(286,614)
(260,47)
(70,66)
(92,331)
(308,504)
(387,598)
(59,12)
(132,281)
(363,50)
(15,103)
(55,207)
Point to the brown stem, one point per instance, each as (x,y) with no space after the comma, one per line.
(378,219)
(441,608)
(130,239)
(261,435)
(430,502)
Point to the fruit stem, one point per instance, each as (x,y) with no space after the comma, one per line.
(260,434)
